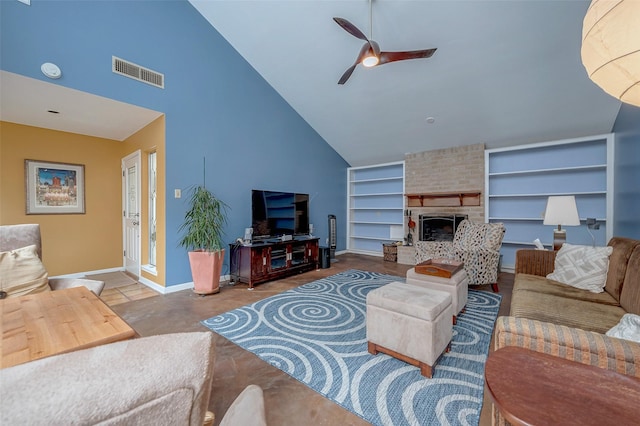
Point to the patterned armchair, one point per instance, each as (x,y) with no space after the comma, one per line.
(475,244)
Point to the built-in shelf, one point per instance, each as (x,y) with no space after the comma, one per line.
(516,192)
(376,205)
(552,170)
(444,199)
(375,223)
(378,179)
(382,194)
(545,194)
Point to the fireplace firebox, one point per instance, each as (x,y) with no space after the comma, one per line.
(439,227)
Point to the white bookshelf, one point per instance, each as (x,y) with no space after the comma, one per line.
(518,181)
(375,205)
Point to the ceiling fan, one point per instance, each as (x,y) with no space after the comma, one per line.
(370,54)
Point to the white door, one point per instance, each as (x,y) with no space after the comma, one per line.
(131,212)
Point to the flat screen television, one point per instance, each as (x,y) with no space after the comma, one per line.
(275,213)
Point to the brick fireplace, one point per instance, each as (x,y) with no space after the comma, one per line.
(451,170)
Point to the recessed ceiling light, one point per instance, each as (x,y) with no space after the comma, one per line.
(431,120)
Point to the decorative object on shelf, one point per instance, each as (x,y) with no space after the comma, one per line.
(54,188)
(203,229)
(561,210)
(611,48)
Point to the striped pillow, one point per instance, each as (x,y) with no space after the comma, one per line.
(583,267)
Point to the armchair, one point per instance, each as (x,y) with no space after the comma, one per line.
(475,244)
(14,237)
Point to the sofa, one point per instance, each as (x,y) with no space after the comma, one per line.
(554,318)
(156,380)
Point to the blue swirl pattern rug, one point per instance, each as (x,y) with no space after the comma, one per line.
(316,333)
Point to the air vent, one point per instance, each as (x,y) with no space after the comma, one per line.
(129,69)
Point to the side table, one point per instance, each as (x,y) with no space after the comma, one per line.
(532,388)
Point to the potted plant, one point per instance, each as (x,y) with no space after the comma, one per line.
(203,230)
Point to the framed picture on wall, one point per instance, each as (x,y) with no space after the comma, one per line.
(54,188)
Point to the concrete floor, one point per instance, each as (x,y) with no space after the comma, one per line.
(287,401)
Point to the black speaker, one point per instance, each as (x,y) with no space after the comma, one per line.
(324,255)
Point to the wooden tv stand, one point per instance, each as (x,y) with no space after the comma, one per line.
(272,259)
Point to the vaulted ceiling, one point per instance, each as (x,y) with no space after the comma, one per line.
(504,73)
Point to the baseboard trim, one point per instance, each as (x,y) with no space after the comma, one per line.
(83,274)
(173,288)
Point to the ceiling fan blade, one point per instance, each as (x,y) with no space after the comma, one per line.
(347,74)
(351,29)
(363,51)
(386,57)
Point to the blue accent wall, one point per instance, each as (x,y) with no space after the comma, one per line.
(626,220)
(217,106)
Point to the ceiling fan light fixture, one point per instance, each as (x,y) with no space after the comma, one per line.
(370,61)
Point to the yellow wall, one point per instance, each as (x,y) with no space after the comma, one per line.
(74,243)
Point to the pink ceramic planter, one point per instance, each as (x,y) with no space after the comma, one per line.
(205,270)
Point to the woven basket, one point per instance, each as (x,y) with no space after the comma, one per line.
(390,252)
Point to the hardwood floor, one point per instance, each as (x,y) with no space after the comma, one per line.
(288,401)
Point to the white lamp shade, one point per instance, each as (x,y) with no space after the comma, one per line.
(561,210)
(611,47)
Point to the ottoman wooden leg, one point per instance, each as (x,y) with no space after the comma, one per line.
(494,287)
(426,370)
(372,348)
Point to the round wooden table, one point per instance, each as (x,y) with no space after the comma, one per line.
(532,388)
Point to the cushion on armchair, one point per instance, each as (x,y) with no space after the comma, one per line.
(22,272)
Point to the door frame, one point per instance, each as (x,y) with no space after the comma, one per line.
(137,157)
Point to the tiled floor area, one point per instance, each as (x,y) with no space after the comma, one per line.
(118,295)
(288,402)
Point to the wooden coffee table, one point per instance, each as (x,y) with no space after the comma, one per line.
(532,388)
(54,322)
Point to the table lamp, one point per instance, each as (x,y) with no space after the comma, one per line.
(561,210)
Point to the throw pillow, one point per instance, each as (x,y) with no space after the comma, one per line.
(583,267)
(22,272)
(628,328)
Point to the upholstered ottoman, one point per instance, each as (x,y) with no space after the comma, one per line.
(410,323)
(457,286)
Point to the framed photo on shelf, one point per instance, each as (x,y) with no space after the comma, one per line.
(54,188)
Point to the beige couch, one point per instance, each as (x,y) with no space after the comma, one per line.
(549,317)
(158,380)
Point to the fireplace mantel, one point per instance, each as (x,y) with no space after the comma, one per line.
(444,199)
